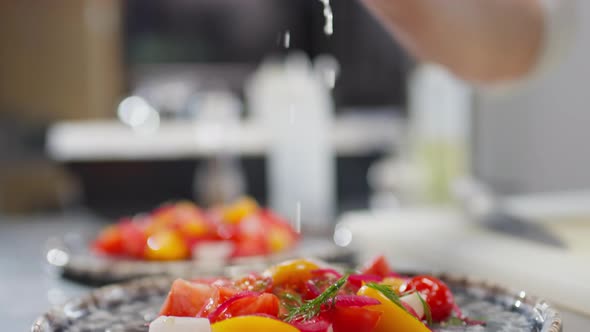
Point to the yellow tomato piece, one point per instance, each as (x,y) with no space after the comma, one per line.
(393,318)
(156,226)
(166,245)
(291,271)
(170,215)
(194,228)
(279,239)
(160,222)
(395,283)
(252,323)
(237,211)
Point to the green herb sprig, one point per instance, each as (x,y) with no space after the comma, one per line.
(291,300)
(427,311)
(388,292)
(311,308)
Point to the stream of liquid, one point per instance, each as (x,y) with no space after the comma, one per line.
(329,17)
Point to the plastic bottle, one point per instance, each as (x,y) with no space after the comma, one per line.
(439,111)
(296,108)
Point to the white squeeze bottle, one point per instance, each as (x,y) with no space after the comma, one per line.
(439,112)
(296,108)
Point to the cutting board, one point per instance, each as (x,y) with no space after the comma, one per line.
(443,240)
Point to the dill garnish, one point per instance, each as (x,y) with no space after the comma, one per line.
(311,308)
(427,312)
(291,300)
(388,292)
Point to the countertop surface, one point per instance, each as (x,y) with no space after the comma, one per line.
(351,135)
(28,286)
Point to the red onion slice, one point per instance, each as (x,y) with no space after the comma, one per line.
(355,301)
(214,316)
(312,290)
(410,310)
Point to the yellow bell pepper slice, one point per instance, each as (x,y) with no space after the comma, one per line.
(252,323)
(395,283)
(393,318)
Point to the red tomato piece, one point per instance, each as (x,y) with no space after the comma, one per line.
(278,234)
(357,280)
(254,283)
(250,238)
(110,241)
(134,239)
(249,303)
(354,319)
(214,281)
(186,299)
(249,246)
(437,295)
(317,324)
(378,267)
(220,295)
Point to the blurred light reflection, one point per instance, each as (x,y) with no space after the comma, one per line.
(287,39)
(57,257)
(153,243)
(342,236)
(138,114)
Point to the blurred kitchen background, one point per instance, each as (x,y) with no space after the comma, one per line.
(68,67)
(113,107)
(109,108)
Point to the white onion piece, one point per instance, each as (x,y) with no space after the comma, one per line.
(214,251)
(413,300)
(180,324)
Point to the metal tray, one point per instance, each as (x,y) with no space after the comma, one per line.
(131,306)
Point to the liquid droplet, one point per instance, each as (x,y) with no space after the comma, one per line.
(297,225)
(287,39)
(329,17)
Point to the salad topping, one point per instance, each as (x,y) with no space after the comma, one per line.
(303,295)
(183,230)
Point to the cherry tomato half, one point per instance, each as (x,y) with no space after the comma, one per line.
(436,293)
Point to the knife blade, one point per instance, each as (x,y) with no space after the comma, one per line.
(482,205)
(505,223)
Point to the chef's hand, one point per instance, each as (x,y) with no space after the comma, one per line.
(478,40)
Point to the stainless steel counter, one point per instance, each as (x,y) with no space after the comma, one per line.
(28,287)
